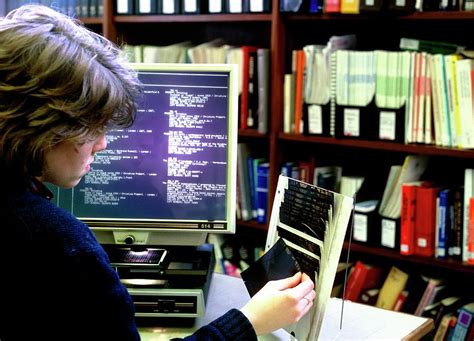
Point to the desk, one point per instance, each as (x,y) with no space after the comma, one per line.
(360,322)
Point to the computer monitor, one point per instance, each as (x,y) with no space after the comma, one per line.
(169,179)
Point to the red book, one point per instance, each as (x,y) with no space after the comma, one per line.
(363,277)
(470,233)
(408,215)
(407,221)
(332,6)
(425,221)
(299,90)
(400,301)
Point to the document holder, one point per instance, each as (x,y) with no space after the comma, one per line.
(357,122)
(316,119)
(401,5)
(391,124)
(366,224)
(372,6)
(390,233)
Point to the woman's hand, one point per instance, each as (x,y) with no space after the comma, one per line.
(280,303)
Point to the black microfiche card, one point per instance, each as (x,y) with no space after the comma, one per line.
(276,263)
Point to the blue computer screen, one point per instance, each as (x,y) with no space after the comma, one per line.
(175,163)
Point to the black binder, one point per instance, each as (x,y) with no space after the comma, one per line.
(170,6)
(124,7)
(147,7)
(193,7)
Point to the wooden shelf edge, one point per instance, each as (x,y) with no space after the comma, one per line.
(380,145)
(449,264)
(252,133)
(92,20)
(252,224)
(189,18)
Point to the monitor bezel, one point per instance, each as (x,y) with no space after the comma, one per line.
(186,232)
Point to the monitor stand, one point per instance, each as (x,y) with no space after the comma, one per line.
(165,282)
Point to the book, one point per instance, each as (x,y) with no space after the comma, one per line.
(464,323)
(171,6)
(311,222)
(455,245)
(263,170)
(350,6)
(217,6)
(392,287)
(448,322)
(243,181)
(289,103)
(408,214)
(449,305)
(263,75)
(429,46)
(249,95)
(470,233)
(425,220)
(193,6)
(363,277)
(300,63)
(121,7)
(401,299)
(445,219)
(468,194)
(147,7)
(259,6)
(432,291)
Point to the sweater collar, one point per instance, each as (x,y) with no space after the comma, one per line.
(39,188)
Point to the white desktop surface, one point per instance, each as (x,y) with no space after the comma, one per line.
(360,322)
(225,292)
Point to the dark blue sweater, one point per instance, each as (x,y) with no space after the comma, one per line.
(56,282)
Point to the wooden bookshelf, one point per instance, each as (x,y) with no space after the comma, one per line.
(447,265)
(380,145)
(92,20)
(283,32)
(199,18)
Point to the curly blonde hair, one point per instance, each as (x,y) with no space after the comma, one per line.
(58,81)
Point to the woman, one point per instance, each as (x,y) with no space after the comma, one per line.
(61,88)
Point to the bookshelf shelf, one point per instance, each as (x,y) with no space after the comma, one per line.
(447,265)
(252,224)
(199,18)
(284,32)
(92,20)
(380,145)
(252,133)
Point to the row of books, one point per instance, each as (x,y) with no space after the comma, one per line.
(438,220)
(422,217)
(94,8)
(422,295)
(73,8)
(399,210)
(254,72)
(131,7)
(371,6)
(403,96)
(252,185)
